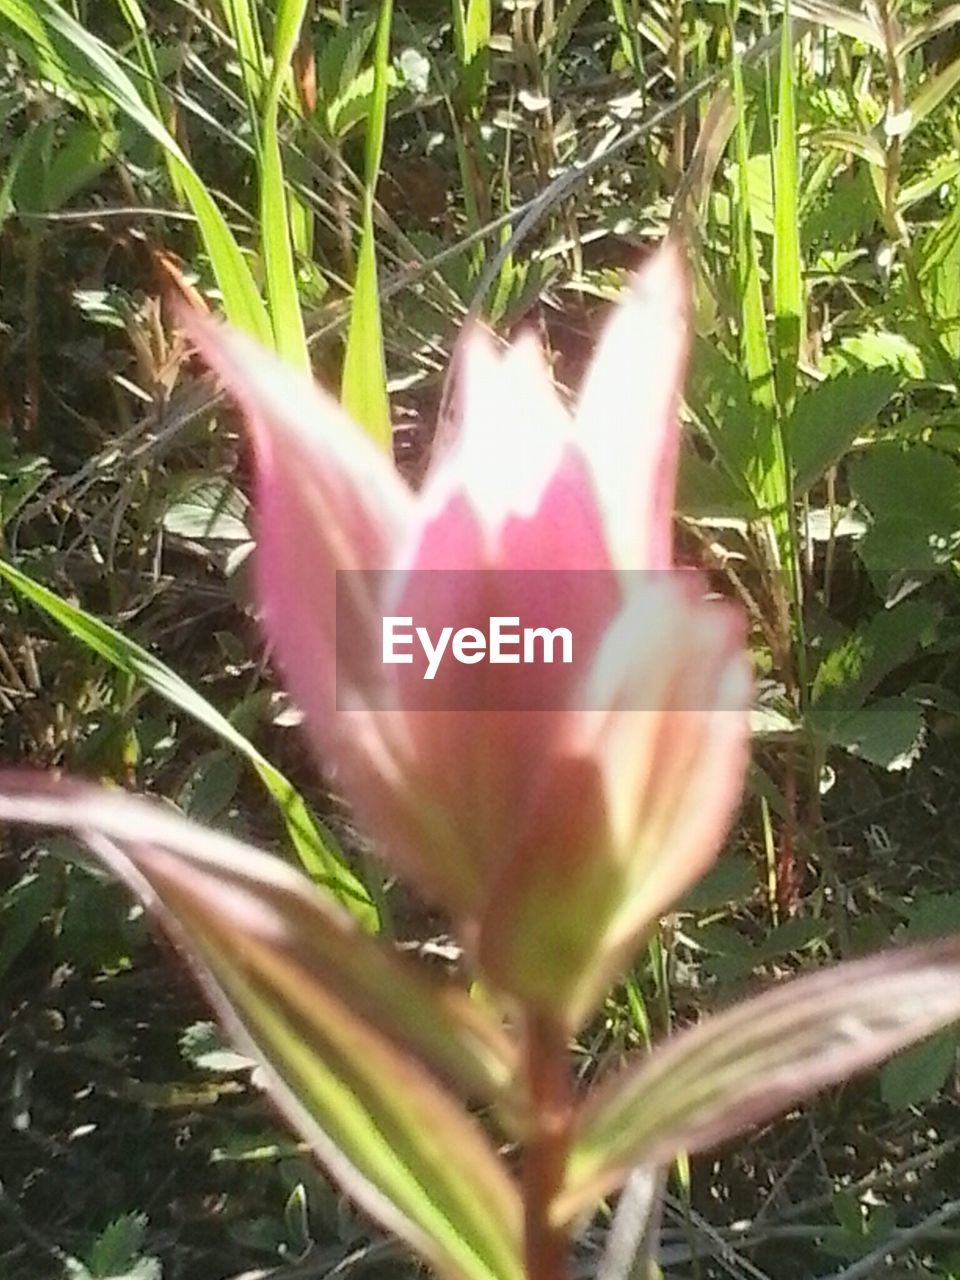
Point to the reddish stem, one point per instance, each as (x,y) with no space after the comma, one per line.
(545,1154)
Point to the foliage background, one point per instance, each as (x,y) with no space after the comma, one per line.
(352,182)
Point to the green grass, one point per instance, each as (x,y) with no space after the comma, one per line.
(462,159)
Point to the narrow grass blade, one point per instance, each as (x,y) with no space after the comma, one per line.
(471,36)
(787,279)
(244,28)
(746,1065)
(925,101)
(315,848)
(158,100)
(364,385)
(88,61)
(283,298)
(768,467)
(320,1024)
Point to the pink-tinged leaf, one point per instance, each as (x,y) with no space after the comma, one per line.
(327,500)
(508,437)
(635,800)
(626,418)
(339,1025)
(750,1063)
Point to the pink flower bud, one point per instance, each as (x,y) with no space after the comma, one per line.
(553,810)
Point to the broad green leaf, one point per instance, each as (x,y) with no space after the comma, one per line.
(850,672)
(86,151)
(26,903)
(939,255)
(340,73)
(290,338)
(338,1022)
(207,509)
(746,1065)
(913,497)
(364,385)
(889,733)
(88,61)
(731,879)
(118,1247)
(936,915)
(718,394)
(315,847)
(919,1073)
(829,417)
(705,491)
(881,349)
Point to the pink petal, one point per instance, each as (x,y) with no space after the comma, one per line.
(510,437)
(326,501)
(627,413)
(634,804)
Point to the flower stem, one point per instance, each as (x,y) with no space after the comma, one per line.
(545,1154)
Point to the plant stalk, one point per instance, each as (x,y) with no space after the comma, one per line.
(545,1154)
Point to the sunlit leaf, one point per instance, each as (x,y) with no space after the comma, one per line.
(316,849)
(748,1064)
(829,417)
(364,385)
(339,1024)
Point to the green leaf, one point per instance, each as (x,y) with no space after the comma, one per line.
(746,1065)
(26,904)
(471,33)
(364,385)
(918,1074)
(315,848)
(341,1024)
(705,491)
(788,299)
(203,1046)
(86,152)
(719,396)
(338,71)
(118,1245)
(889,733)
(850,672)
(936,915)
(913,496)
(939,255)
(290,338)
(767,468)
(211,510)
(880,349)
(731,879)
(241,19)
(829,417)
(926,100)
